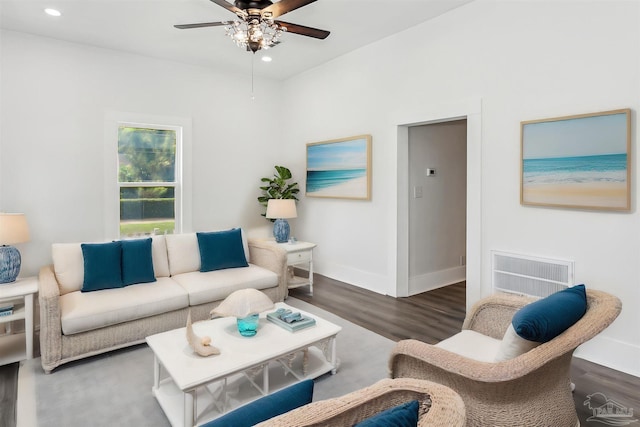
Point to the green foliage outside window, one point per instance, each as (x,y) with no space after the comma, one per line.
(147,156)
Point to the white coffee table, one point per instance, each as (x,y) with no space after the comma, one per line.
(195,390)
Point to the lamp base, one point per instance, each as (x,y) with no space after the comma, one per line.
(9,264)
(281,230)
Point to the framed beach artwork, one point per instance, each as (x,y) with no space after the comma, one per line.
(340,168)
(578,161)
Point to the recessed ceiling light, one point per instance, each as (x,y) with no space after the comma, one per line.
(267,59)
(52,12)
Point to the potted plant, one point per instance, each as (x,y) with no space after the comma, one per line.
(278,187)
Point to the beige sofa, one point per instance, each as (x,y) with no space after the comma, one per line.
(75,324)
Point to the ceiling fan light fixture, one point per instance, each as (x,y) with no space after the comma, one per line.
(254,35)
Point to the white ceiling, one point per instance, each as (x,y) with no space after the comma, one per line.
(146,27)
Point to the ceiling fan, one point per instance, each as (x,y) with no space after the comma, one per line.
(257,27)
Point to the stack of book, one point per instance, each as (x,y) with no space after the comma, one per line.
(291,321)
(6,310)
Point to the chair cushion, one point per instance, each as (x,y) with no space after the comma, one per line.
(221,249)
(513,345)
(219,284)
(472,345)
(267,407)
(404,415)
(137,262)
(545,319)
(86,311)
(102,266)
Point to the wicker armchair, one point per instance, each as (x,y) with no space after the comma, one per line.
(439,406)
(532,389)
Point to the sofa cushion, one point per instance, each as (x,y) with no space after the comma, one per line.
(219,284)
(137,262)
(85,311)
(102,266)
(184,254)
(267,407)
(159,256)
(404,415)
(545,319)
(68,264)
(221,249)
(472,345)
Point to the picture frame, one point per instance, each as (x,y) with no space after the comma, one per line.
(581,161)
(340,168)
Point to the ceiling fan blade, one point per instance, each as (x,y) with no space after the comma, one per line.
(204,24)
(285,6)
(230,7)
(304,31)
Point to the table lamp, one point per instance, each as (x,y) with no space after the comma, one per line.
(245,305)
(13,229)
(280,209)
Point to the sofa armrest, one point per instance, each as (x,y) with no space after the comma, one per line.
(272,258)
(446,408)
(491,316)
(50,324)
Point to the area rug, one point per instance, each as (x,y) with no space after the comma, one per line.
(115,388)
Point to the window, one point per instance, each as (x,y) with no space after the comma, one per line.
(149,179)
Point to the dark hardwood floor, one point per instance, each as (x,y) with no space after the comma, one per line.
(429,317)
(433,316)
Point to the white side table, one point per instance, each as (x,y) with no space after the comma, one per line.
(299,253)
(15,347)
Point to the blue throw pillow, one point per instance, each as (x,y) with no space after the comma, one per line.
(405,415)
(267,407)
(221,249)
(137,263)
(102,266)
(543,320)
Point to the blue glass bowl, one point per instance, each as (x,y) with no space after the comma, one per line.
(248,326)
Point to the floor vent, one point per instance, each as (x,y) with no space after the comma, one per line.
(529,275)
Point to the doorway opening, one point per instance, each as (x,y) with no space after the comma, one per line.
(469,110)
(437,205)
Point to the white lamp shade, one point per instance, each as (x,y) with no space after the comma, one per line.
(13,228)
(281,208)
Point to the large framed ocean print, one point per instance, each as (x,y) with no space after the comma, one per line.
(580,161)
(340,168)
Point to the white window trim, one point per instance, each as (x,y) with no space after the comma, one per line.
(113,120)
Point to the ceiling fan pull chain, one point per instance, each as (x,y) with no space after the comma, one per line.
(252,62)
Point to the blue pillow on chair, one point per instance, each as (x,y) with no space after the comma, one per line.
(221,249)
(267,407)
(102,266)
(137,262)
(545,319)
(405,415)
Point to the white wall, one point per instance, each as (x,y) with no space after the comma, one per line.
(55,97)
(525,60)
(437,219)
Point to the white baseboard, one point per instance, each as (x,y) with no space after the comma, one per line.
(612,353)
(436,279)
(362,279)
